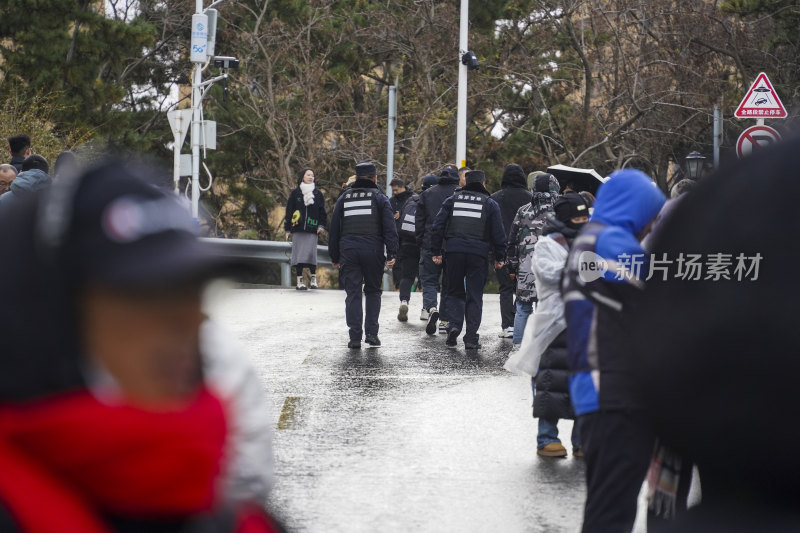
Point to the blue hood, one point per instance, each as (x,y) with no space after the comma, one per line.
(628,200)
(30,181)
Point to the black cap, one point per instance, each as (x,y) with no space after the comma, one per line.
(429,181)
(449,171)
(475,176)
(366,170)
(122,232)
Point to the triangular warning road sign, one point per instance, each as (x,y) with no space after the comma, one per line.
(761,101)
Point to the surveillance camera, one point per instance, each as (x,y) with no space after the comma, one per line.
(226,62)
(470,60)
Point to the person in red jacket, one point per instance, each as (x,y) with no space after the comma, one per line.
(106,423)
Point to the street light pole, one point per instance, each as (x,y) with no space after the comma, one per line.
(390,137)
(461,127)
(198,57)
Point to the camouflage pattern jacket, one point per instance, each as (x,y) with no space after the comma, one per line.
(525,232)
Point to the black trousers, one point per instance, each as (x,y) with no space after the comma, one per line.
(617,447)
(362,268)
(466,276)
(406,270)
(508,287)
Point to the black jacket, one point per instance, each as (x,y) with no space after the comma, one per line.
(16,162)
(513,194)
(397,202)
(551,400)
(430,202)
(338,242)
(496,234)
(302,217)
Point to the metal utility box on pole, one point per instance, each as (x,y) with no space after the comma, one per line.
(461,128)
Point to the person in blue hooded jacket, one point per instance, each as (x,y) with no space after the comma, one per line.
(601,287)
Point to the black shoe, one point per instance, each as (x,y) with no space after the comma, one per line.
(372,340)
(452,337)
(355,345)
(472,346)
(430,329)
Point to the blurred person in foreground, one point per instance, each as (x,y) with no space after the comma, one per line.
(66,164)
(669,477)
(106,422)
(720,344)
(601,288)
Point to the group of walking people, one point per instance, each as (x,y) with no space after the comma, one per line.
(570,331)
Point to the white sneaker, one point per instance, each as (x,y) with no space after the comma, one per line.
(402,315)
(314,282)
(424,315)
(507,333)
(301,284)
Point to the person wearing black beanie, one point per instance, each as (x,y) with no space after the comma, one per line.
(512,195)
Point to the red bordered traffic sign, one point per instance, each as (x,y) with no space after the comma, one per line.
(761,101)
(755,138)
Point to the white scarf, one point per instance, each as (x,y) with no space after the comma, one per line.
(308,192)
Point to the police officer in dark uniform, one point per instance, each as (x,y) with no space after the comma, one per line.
(469,225)
(362,224)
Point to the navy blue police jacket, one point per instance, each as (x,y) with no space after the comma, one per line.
(495,240)
(387,236)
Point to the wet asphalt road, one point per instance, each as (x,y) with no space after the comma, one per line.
(409,436)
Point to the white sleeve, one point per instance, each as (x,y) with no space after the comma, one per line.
(249,473)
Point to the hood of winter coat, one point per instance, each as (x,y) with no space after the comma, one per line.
(30,181)
(514,177)
(629,200)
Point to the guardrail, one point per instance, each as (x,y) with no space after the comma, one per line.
(270,251)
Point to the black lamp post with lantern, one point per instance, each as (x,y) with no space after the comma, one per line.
(694,165)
